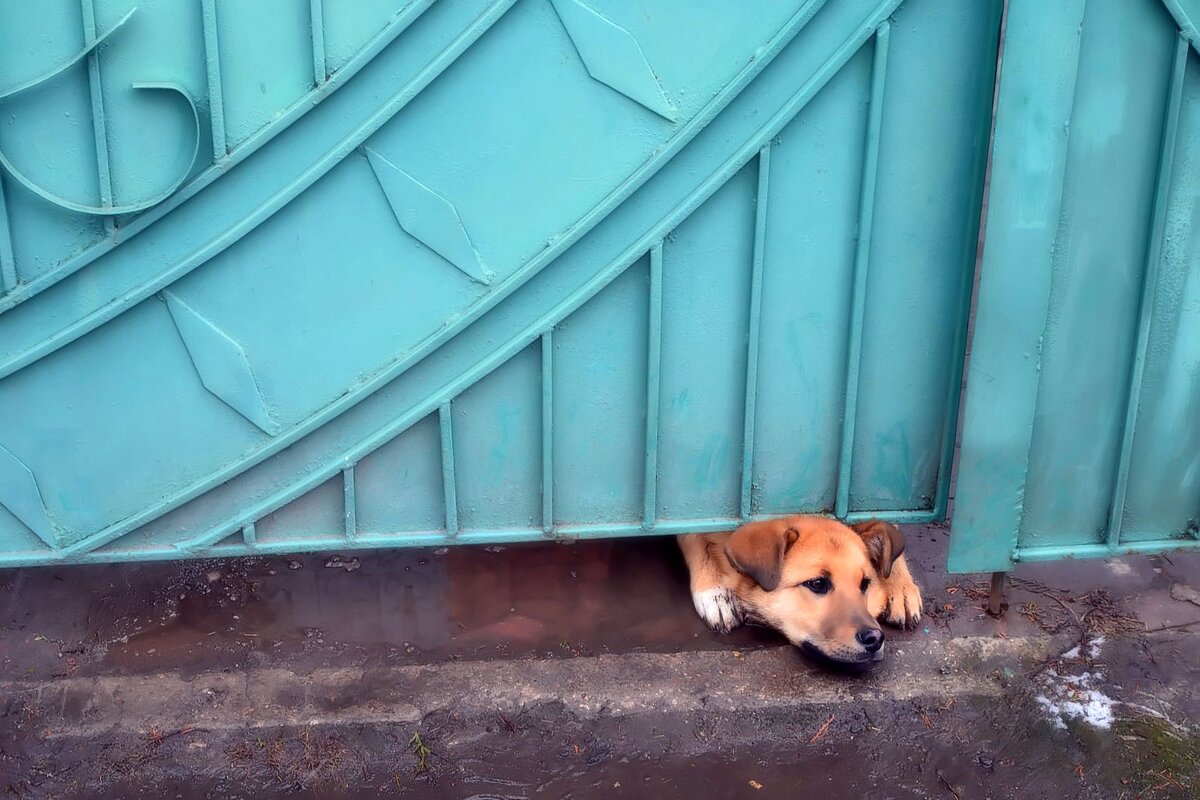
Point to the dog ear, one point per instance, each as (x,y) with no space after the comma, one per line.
(884,542)
(757,550)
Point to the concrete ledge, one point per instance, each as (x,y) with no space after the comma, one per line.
(589,686)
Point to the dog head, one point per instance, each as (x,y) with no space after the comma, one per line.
(817,581)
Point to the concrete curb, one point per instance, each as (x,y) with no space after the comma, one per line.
(609,684)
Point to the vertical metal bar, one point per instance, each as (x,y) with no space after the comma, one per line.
(862,261)
(653,388)
(212,60)
(971,260)
(1154,250)
(320,69)
(99,124)
(249,536)
(448,482)
(755,327)
(349,502)
(8,263)
(548,432)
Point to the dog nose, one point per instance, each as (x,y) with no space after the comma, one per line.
(870,638)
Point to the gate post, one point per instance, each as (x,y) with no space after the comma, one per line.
(995,605)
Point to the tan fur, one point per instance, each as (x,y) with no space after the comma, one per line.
(758,573)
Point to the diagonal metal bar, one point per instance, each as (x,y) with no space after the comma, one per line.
(1185,20)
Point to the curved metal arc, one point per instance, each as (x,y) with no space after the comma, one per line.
(66,65)
(128,208)
(205,177)
(683,135)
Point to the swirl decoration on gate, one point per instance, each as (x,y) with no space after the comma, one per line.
(103,209)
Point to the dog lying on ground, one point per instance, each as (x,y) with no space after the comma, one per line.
(822,584)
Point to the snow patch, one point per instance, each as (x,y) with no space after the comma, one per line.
(1071,693)
(1089,706)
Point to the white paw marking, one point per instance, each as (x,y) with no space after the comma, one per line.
(718,608)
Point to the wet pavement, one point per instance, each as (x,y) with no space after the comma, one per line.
(392,607)
(375,611)
(543,600)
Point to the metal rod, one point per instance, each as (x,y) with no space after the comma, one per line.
(862,261)
(99,123)
(996,594)
(349,502)
(548,432)
(1166,160)
(917,516)
(424,538)
(212,60)
(1061,551)
(8,263)
(755,327)
(320,67)
(249,535)
(506,535)
(653,387)
(448,483)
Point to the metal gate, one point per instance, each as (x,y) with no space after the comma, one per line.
(287,275)
(1082,420)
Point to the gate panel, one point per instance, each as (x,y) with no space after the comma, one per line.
(1080,435)
(533,269)
(706,314)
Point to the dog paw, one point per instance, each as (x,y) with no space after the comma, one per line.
(904,603)
(718,608)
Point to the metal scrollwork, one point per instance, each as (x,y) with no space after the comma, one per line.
(88,208)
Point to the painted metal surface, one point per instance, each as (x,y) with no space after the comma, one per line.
(1082,420)
(281,276)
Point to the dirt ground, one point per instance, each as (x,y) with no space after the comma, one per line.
(580,670)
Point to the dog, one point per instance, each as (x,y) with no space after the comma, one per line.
(822,584)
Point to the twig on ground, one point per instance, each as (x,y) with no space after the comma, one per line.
(820,734)
(949,786)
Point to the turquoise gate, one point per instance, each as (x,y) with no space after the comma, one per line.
(285,275)
(1082,419)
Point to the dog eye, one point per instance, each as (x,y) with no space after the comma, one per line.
(862,587)
(818,585)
